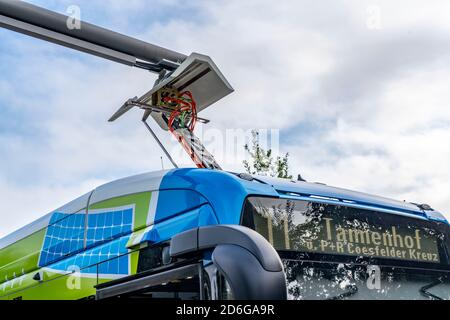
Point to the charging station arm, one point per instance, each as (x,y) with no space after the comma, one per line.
(47,25)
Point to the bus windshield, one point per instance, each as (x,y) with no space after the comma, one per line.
(342,252)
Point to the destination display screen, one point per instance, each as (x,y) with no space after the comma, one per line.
(340,230)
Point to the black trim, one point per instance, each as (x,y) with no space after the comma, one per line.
(146,273)
(424,290)
(130,286)
(347,259)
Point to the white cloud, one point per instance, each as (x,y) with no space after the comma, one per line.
(34,202)
(399,149)
(379,97)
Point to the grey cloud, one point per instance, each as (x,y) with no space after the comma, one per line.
(362,68)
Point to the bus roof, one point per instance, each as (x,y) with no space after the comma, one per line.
(218,187)
(323,192)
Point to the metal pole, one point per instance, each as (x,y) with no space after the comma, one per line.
(42,18)
(160,144)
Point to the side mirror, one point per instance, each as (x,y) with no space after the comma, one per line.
(246,259)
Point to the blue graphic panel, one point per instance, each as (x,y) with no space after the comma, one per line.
(63,237)
(108,259)
(66,232)
(108,225)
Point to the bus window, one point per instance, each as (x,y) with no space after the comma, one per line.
(333,281)
(326,250)
(337,230)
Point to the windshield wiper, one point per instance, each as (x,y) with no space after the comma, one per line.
(424,290)
(351,290)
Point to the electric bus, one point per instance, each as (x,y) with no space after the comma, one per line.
(207,234)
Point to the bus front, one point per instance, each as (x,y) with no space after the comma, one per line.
(258,238)
(361,247)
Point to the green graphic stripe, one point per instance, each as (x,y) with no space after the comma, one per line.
(21,257)
(61,287)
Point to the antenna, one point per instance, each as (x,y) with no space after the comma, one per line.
(159,143)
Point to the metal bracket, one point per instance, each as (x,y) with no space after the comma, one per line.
(201,157)
(163,65)
(146,107)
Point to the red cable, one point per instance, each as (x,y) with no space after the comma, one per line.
(181,105)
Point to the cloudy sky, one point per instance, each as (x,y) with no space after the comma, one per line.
(358,90)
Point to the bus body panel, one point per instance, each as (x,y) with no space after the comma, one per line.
(115,227)
(73,249)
